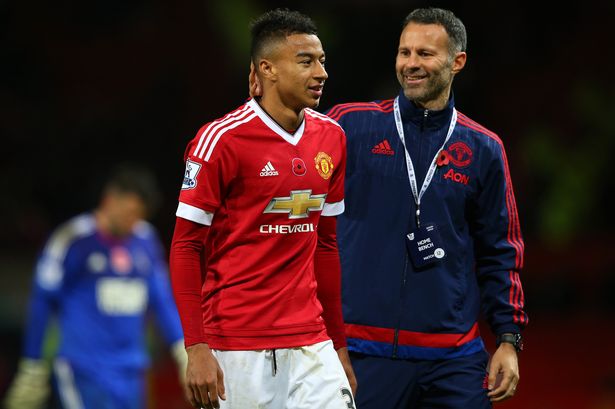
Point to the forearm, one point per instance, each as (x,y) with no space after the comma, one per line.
(39,312)
(328,276)
(186,277)
(502,300)
(30,387)
(499,249)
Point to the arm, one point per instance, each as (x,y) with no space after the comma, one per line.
(204,187)
(499,258)
(30,387)
(204,377)
(163,306)
(328,276)
(41,309)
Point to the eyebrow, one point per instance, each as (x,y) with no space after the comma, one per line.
(310,55)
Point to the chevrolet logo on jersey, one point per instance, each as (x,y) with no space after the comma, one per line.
(298,205)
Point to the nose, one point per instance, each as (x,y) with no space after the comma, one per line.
(412,61)
(320,73)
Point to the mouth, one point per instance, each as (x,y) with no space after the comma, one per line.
(316,90)
(414,79)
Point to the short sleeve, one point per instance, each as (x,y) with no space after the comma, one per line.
(207,175)
(334,204)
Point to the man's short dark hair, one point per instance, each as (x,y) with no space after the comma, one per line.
(137,179)
(278,24)
(452,24)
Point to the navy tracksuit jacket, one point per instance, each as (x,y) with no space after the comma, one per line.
(392,309)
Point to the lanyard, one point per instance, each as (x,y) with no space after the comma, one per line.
(432,168)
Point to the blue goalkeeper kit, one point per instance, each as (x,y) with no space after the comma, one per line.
(430,235)
(100,289)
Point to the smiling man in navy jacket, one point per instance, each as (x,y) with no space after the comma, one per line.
(430,237)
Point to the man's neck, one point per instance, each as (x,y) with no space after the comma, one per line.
(104,224)
(436,104)
(287,118)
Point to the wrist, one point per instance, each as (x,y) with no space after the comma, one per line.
(198,349)
(513,339)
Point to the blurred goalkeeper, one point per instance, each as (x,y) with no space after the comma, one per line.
(99,274)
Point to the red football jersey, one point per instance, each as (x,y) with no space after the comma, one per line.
(262,190)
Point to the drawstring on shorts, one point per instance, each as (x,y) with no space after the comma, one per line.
(274,364)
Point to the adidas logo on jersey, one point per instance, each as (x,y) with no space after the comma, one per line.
(269,170)
(383,148)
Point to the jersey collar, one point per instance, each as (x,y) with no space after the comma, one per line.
(433,120)
(293,139)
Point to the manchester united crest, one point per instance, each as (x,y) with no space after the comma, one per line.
(460,154)
(324,165)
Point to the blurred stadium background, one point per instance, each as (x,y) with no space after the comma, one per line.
(84,85)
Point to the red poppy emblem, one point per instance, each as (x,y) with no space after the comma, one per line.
(121,261)
(299,168)
(443,158)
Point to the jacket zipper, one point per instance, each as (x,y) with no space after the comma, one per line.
(403,277)
(421,137)
(403,285)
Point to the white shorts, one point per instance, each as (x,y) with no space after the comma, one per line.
(310,377)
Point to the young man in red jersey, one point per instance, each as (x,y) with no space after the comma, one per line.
(254,259)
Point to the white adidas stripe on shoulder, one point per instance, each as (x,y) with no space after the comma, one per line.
(65,235)
(228,116)
(230,125)
(214,125)
(50,267)
(208,135)
(320,116)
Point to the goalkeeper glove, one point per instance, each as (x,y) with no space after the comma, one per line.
(30,388)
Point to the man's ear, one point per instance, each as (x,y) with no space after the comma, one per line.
(459,62)
(254,84)
(267,70)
